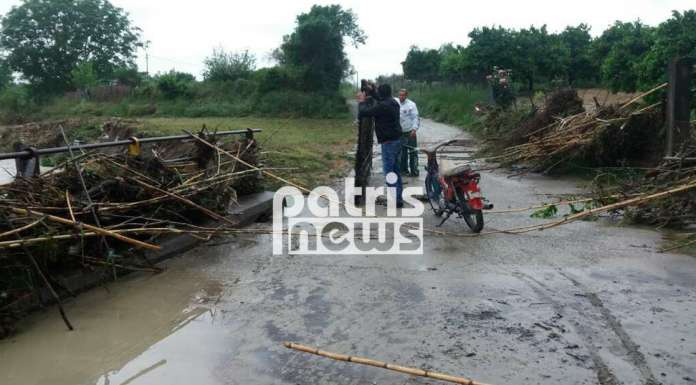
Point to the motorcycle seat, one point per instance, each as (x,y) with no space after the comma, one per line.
(447,169)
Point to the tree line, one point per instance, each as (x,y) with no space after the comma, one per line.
(627,56)
(50,47)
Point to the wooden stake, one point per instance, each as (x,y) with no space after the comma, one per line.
(383,365)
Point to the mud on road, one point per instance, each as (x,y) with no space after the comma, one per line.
(585,303)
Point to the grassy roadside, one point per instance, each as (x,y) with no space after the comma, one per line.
(310,152)
(449,104)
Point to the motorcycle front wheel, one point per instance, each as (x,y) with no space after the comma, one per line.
(434,193)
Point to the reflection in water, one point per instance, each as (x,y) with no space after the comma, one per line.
(137,375)
(188,356)
(121,336)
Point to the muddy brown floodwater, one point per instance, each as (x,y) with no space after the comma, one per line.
(585,303)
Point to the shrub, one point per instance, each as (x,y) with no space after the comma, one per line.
(15,104)
(300,104)
(275,78)
(134,110)
(228,66)
(243,87)
(174,84)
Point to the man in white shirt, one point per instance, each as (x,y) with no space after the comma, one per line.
(410,122)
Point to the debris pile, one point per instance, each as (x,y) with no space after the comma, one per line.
(674,210)
(106,209)
(558,135)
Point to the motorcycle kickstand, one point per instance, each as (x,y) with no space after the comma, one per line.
(449,214)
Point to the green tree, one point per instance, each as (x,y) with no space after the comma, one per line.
(675,37)
(316,47)
(224,66)
(455,64)
(620,50)
(47,39)
(422,65)
(490,47)
(537,55)
(579,65)
(84,77)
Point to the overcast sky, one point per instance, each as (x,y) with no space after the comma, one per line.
(183,33)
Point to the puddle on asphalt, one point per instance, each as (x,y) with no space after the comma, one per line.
(149,329)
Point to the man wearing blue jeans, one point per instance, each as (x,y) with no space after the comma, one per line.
(388,129)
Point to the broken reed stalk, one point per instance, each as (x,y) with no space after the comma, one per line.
(67,201)
(644,94)
(145,230)
(185,201)
(76,164)
(20,229)
(89,227)
(246,163)
(678,246)
(238,159)
(383,365)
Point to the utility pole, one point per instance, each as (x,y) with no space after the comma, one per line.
(147,58)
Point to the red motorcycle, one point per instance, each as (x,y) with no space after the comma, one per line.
(454,189)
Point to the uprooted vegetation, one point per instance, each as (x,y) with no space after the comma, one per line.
(619,143)
(676,210)
(104,209)
(562,134)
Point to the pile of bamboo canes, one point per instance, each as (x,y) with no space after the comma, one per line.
(579,136)
(98,209)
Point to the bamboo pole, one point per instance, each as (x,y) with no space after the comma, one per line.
(644,94)
(618,205)
(89,227)
(383,365)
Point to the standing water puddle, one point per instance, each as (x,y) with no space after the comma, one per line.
(148,329)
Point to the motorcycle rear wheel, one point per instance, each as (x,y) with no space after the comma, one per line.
(472,217)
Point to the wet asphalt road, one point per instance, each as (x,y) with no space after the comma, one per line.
(585,303)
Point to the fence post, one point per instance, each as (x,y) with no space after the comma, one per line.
(680,71)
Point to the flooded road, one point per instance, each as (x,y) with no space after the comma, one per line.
(584,303)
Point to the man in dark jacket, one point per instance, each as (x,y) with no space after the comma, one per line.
(386,114)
